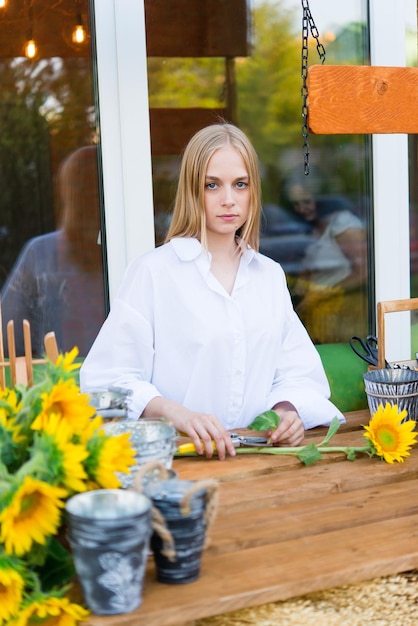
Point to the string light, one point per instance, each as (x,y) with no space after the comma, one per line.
(30,48)
(79,33)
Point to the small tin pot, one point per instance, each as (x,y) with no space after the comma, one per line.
(109,533)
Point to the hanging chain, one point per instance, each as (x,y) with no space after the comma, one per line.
(307,24)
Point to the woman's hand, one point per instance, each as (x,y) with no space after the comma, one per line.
(202,428)
(290,432)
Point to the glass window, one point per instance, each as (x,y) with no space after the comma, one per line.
(51,261)
(318,226)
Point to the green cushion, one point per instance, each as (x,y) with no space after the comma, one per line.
(344,370)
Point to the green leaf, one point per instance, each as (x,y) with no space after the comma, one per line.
(58,567)
(351,454)
(309,454)
(333,427)
(269,420)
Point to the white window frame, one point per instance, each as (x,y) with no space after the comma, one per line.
(125,134)
(127,172)
(391,185)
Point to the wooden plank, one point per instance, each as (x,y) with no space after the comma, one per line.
(362,99)
(315,481)
(233,531)
(12,351)
(27,340)
(51,347)
(186,28)
(171,129)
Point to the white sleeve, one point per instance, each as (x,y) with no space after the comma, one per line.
(123,352)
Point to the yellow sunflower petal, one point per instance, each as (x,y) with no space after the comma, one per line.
(65,400)
(116,455)
(391,437)
(11,592)
(72,473)
(66,361)
(51,611)
(32,515)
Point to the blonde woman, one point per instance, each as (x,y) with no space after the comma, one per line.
(202,329)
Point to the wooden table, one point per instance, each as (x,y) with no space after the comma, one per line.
(284,529)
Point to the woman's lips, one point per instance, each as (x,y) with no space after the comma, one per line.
(228,218)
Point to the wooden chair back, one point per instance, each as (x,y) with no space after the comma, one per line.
(390,306)
(21,367)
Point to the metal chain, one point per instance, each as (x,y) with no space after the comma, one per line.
(307,24)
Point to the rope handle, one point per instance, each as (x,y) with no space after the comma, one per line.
(212,496)
(146,468)
(159,524)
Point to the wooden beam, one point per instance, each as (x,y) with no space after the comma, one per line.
(171,129)
(203,28)
(346,99)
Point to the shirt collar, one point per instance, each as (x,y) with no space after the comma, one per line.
(189,249)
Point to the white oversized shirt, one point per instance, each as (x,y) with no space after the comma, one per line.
(174,331)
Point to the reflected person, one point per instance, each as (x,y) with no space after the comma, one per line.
(330,287)
(57,280)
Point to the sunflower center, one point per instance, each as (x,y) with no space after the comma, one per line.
(55,408)
(387,437)
(29,503)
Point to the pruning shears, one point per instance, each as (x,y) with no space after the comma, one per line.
(243,441)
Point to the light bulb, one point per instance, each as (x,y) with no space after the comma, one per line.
(3,4)
(30,48)
(79,34)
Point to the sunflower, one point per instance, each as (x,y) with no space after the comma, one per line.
(9,407)
(66,361)
(391,437)
(50,611)
(93,428)
(32,514)
(59,457)
(65,400)
(11,587)
(109,454)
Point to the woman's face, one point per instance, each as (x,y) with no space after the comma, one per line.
(303,204)
(227,193)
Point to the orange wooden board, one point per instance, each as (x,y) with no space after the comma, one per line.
(346,99)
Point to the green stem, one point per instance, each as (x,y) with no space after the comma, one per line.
(297,450)
(33,465)
(292,451)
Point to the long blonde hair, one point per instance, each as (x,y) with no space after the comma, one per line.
(189,209)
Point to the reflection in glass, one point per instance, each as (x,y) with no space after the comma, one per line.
(56,282)
(263,83)
(51,269)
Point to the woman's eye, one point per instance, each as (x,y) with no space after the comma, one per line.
(211,185)
(242,185)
